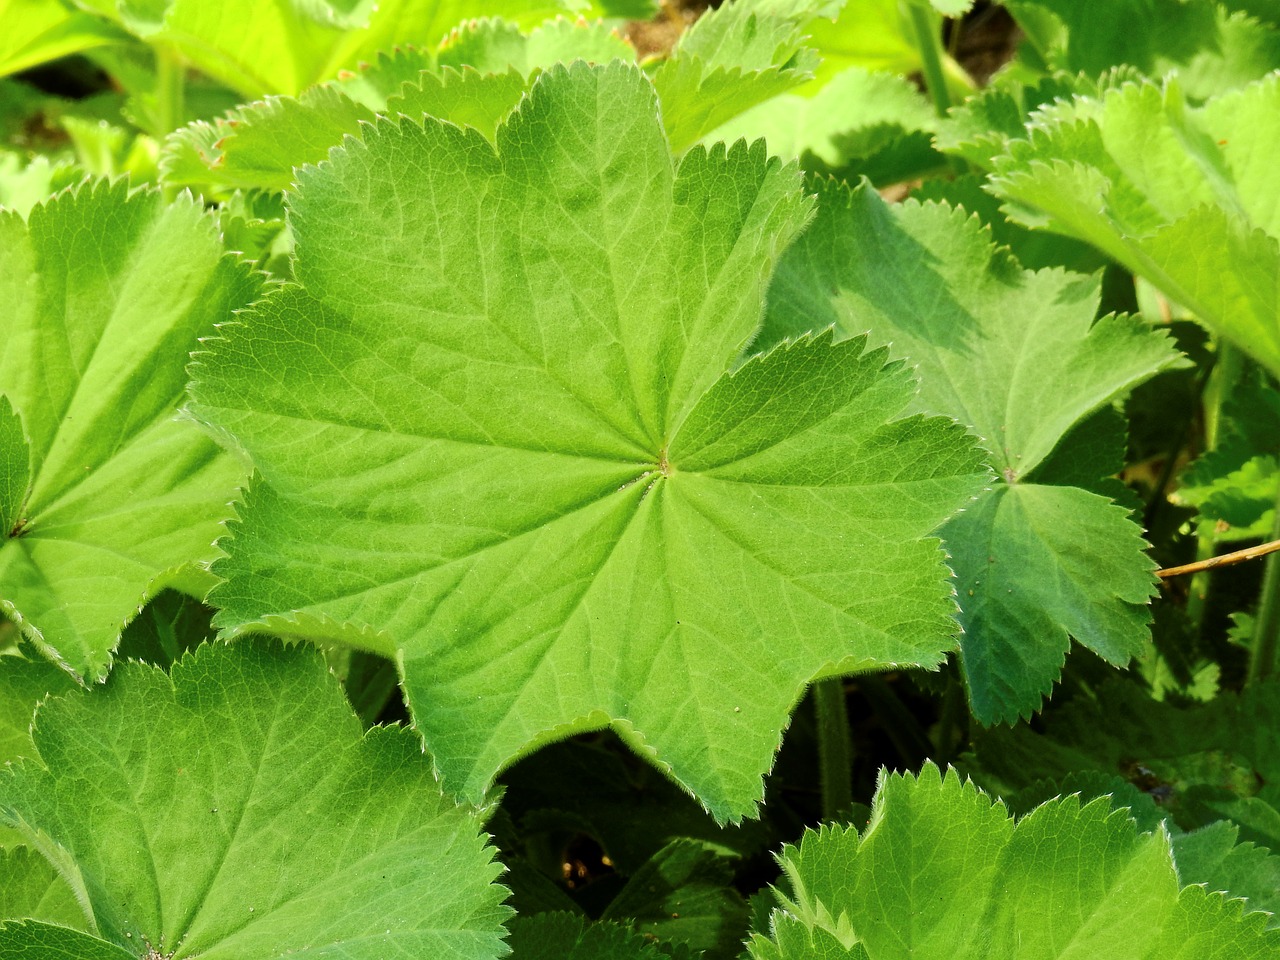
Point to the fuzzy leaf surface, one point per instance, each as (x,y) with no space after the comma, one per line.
(24,683)
(106,295)
(1181,196)
(523,468)
(1016,356)
(942,872)
(246,815)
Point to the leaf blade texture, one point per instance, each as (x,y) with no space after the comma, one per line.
(564,514)
(248,816)
(109,293)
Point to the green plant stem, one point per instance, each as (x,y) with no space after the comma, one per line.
(929,42)
(835,748)
(170,93)
(1266,627)
(950,720)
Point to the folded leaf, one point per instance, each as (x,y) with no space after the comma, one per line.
(1015,355)
(249,817)
(106,295)
(514,458)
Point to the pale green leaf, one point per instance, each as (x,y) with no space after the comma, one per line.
(30,889)
(566,936)
(1016,356)
(24,183)
(236,810)
(941,872)
(15,467)
(853,116)
(1183,197)
(37,31)
(106,295)
(734,57)
(515,459)
(496,46)
(1212,856)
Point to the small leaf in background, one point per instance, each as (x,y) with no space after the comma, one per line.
(684,894)
(236,810)
(523,469)
(566,936)
(942,872)
(107,293)
(740,54)
(37,31)
(1017,357)
(1234,485)
(858,122)
(1182,196)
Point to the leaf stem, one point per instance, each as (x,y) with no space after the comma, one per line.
(929,42)
(1222,560)
(1266,628)
(170,91)
(835,748)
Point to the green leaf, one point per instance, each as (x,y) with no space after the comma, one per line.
(1016,356)
(480,73)
(734,57)
(106,295)
(15,467)
(1178,195)
(684,894)
(523,470)
(941,872)
(30,888)
(236,810)
(1212,856)
(853,117)
(1211,49)
(37,31)
(23,683)
(566,936)
(34,940)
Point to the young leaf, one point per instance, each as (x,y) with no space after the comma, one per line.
(236,810)
(514,458)
(106,295)
(941,872)
(1180,196)
(1016,356)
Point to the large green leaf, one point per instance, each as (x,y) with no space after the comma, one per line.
(37,31)
(498,440)
(942,872)
(1016,356)
(236,810)
(1181,196)
(31,889)
(105,296)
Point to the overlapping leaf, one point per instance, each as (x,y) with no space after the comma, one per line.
(1181,196)
(942,872)
(106,295)
(497,439)
(564,936)
(236,810)
(475,79)
(1017,357)
(37,31)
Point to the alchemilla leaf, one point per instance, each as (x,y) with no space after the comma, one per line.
(105,296)
(1182,196)
(1017,356)
(942,872)
(498,439)
(236,810)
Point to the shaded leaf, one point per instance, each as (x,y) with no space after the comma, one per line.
(566,936)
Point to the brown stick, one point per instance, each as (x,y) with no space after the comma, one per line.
(1252,553)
